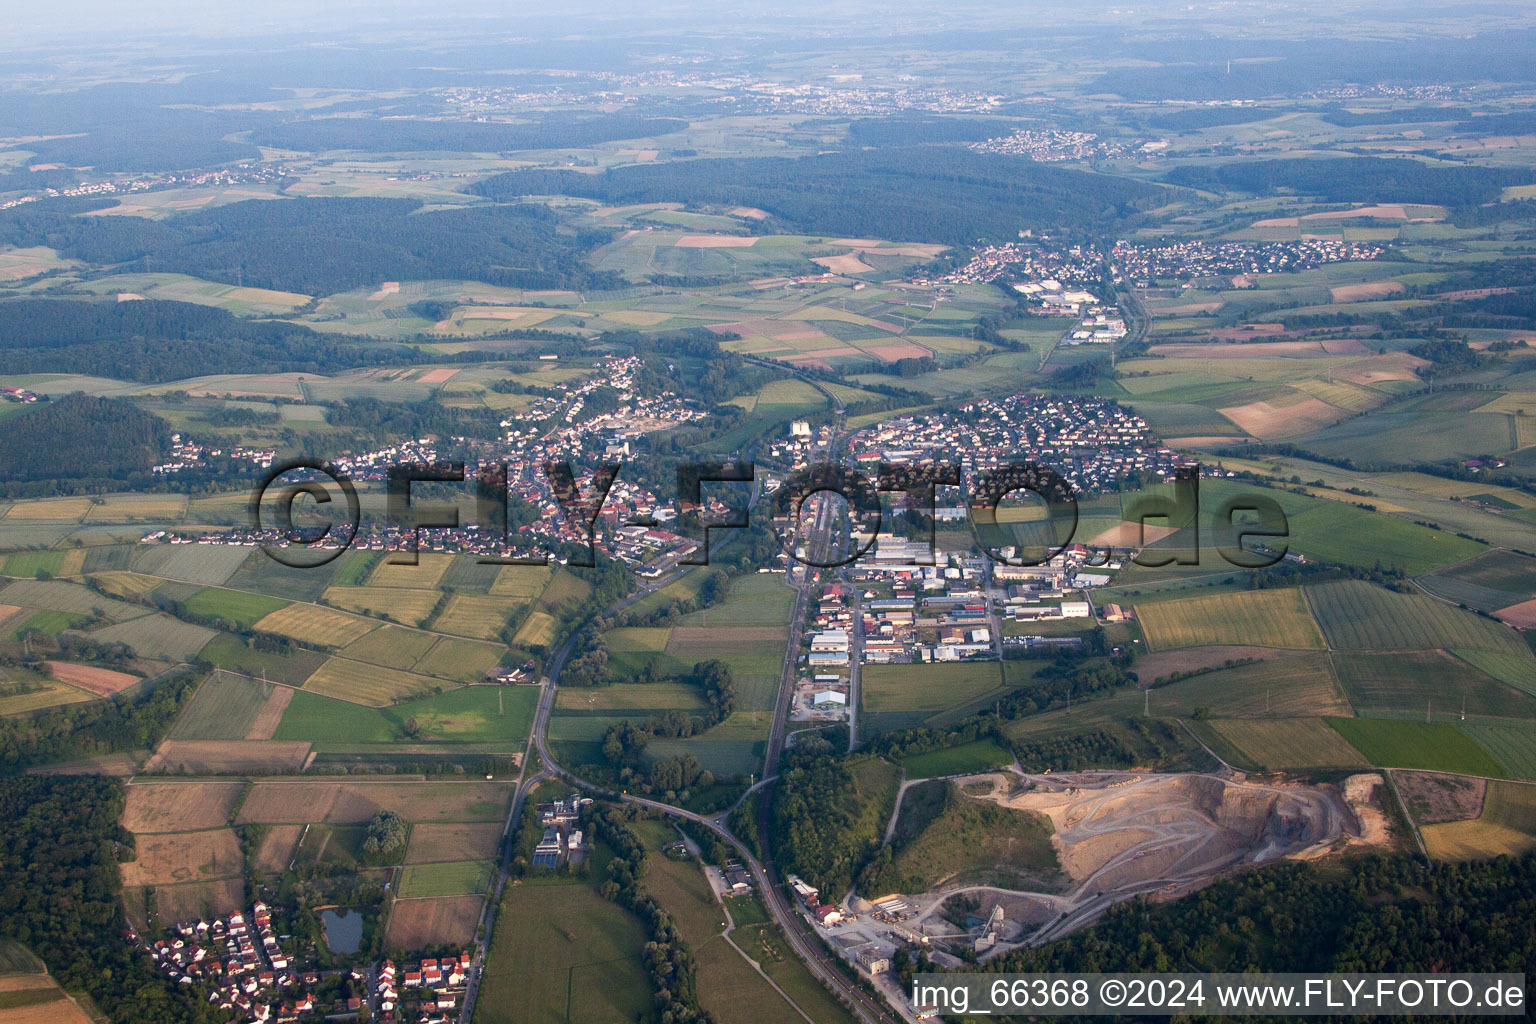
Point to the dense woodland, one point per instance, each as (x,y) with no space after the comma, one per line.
(154,341)
(1357,179)
(1395,914)
(322,246)
(79,443)
(396,135)
(135,721)
(947,195)
(60,895)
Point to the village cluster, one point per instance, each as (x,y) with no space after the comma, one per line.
(238,174)
(248,969)
(1190,260)
(1053,145)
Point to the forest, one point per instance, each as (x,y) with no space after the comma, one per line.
(322,246)
(1357,180)
(1376,913)
(398,135)
(945,195)
(78,442)
(60,896)
(153,341)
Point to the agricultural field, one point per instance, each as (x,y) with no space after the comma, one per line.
(309,624)
(1506,827)
(243,609)
(1261,618)
(1358,616)
(1289,743)
(424,575)
(1437,746)
(501,715)
(157,636)
(290,668)
(209,564)
(459,660)
(1512,743)
(372,685)
(562,953)
(1299,686)
(284,802)
(225,707)
(435,844)
(926,689)
(179,806)
(520,582)
(390,646)
(103,682)
(474,616)
(170,858)
(759,599)
(51,695)
(227,757)
(432,923)
(459,878)
(537,630)
(411,607)
(966,759)
(1417,680)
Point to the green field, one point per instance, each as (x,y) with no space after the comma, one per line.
(1345,535)
(372,685)
(1262,618)
(456,878)
(1399,744)
(157,636)
(1358,616)
(224,708)
(473,714)
(561,954)
(1427,680)
(1518,670)
(1513,744)
(760,599)
(243,609)
(391,646)
(980,756)
(927,688)
(291,668)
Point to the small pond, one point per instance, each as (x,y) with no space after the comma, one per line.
(343,930)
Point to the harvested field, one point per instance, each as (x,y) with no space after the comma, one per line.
(459,660)
(179,806)
(277,846)
(411,607)
(716,242)
(372,685)
(214,757)
(536,631)
(437,376)
(521,581)
(1132,535)
(1289,743)
(1366,292)
(169,858)
(39,1000)
(283,802)
(1266,421)
(1433,798)
(473,616)
(200,900)
(391,646)
(310,624)
(436,843)
(1521,616)
(100,681)
(1507,827)
(422,576)
(264,726)
(847,263)
(430,923)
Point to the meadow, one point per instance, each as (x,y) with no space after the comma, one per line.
(472,714)
(966,759)
(1437,746)
(1358,616)
(461,878)
(562,953)
(243,609)
(1261,618)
